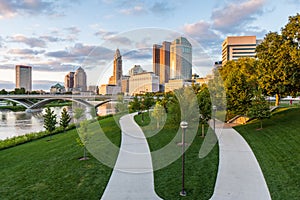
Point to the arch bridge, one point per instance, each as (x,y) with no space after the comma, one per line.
(26,100)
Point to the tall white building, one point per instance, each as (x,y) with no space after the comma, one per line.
(181,59)
(80,80)
(143,82)
(24,77)
(235,47)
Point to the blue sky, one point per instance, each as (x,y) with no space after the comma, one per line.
(56,37)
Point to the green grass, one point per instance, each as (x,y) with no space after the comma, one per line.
(277,149)
(44,169)
(200,174)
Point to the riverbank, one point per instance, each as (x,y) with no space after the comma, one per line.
(43,169)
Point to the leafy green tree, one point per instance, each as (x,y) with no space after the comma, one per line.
(204,102)
(121,106)
(158,113)
(49,121)
(3,91)
(239,82)
(259,108)
(134,105)
(65,119)
(78,113)
(279,69)
(82,140)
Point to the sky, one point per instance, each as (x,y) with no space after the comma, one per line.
(55,37)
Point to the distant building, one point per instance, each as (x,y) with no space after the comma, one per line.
(57,89)
(69,81)
(80,80)
(116,79)
(93,89)
(181,59)
(235,47)
(161,61)
(125,85)
(136,69)
(176,84)
(143,82)
(108,89)
(24,77)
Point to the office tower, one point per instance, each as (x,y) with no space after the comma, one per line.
(161,61)
(234,47)
(80,80)
(181,59)
(116,79)
(143,82)
(23,77)
(69,81)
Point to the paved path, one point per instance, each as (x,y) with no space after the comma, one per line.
(132,177)
(239,174)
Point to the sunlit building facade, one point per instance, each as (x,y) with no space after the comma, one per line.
(24,77)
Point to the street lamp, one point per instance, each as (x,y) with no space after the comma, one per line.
(142,108)
(214,116)
(184,126)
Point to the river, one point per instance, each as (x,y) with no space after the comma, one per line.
(20,123)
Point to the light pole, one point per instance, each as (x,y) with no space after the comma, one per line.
(214,116)
(184,126)
(202,124)
(142,109)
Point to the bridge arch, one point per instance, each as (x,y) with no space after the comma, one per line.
(102,103)
(18,101)
(44,102)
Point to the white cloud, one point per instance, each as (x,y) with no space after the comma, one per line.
(234,15)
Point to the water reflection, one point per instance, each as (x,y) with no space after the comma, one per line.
(20,123)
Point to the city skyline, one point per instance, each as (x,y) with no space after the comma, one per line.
(56,37)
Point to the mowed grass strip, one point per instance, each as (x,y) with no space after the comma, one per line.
(277,149)
(44,169)
(200,174)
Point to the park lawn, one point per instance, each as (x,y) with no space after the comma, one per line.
(200,174)
(44,169)
(277,149)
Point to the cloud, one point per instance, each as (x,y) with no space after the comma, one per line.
(140,54)
(201,31)
(9,8)
(161,8)
(73,30)
(136,10)
(25,51)
(30,41)
(105,34)
(233,16)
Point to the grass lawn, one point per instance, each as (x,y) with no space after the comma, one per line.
(44,169)
(200,174)
(277,149)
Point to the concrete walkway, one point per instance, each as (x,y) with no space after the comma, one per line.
(239,174)
(132,177)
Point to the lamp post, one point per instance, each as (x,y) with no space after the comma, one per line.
(142,108)
(184,126)
(214,116)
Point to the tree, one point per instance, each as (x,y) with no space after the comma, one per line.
(65,119)
(3,91)
(82,140)
(204,102)
(134,105)
(239,82)
(259,108)
(279,70)
(158,113)
(49,121)
(78,113)
(121,106)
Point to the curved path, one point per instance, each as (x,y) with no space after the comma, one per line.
(132,177)
(239,174)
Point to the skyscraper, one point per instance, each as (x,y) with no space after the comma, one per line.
(80,80)
(23,77)
(234,47)
(116,78)
(69,81)
(181,59)
(161,61)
